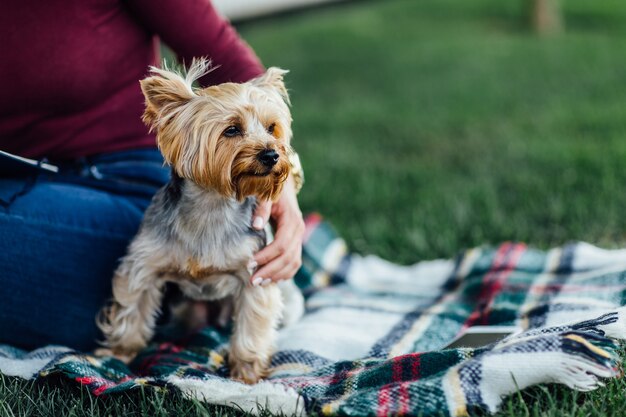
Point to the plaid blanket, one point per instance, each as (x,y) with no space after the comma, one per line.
(371,341)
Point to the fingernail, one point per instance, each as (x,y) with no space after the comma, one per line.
(266,282)
(258,223)
(252,264)
(257,281)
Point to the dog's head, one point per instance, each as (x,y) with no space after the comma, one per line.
(231,137)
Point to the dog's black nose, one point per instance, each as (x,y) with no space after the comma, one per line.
(268,157)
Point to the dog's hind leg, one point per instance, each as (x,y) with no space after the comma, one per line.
(293,301)
(257,313)
(128,322)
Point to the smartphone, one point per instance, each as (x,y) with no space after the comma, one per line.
(479,336)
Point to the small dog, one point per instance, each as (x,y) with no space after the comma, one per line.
(228,146)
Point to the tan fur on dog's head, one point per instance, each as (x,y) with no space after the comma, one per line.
(214,136)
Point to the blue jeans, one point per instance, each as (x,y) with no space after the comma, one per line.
(61,237)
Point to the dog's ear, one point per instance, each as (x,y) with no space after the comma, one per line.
(273,79)
(164,92)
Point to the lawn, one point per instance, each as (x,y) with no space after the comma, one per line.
(430,126)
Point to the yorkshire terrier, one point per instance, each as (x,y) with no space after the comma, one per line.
(228,145)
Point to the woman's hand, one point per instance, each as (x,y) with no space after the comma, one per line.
(280,259)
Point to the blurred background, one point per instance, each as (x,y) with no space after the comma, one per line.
(430,126)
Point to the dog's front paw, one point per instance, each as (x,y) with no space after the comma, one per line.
(125,357)
(106,352)
(248,372)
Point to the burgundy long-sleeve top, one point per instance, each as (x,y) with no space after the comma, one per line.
(70,69)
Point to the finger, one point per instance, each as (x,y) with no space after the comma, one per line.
(273,257)
(284,242)
(282,267)
(272,251)
(278,270)
(277,259)
(270,269)
(262,214)
(288,272)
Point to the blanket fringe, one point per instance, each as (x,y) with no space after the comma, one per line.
(255,399)
(577,359)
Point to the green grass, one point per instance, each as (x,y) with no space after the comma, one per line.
(21,398)
(430,126)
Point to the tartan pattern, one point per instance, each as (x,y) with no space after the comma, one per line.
(371,340)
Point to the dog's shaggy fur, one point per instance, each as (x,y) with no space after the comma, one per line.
(228,145)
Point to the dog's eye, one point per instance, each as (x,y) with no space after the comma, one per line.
(232,131)
(271,128)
